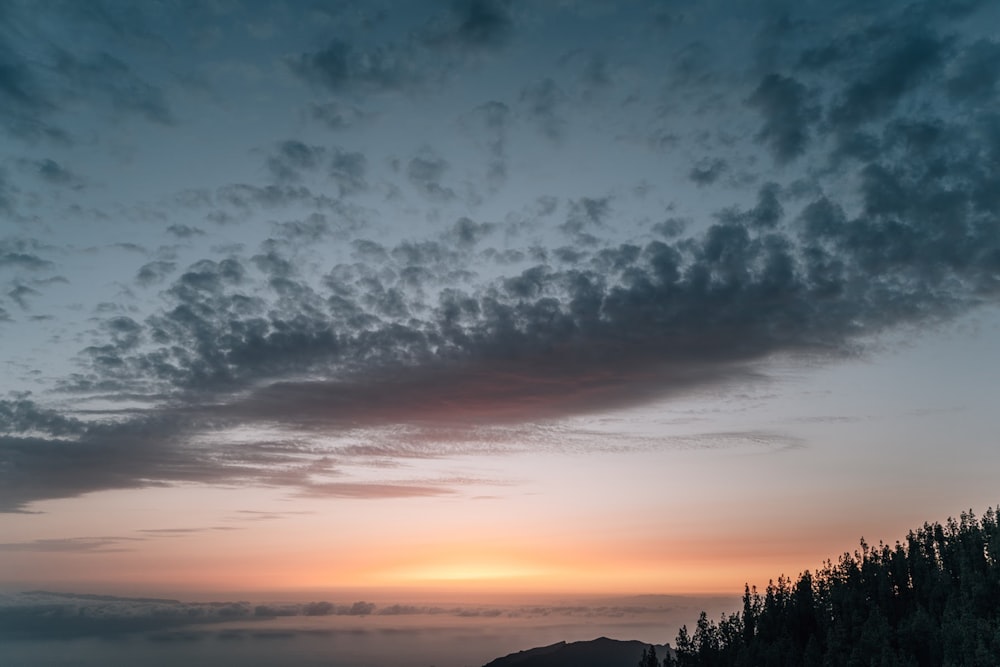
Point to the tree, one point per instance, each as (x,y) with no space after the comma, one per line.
(925,603)
(649,658)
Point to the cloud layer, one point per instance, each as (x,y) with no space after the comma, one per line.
(860,158)
(50,616)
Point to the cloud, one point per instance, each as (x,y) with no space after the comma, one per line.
(22,415)
(236,202)
(25,102)
(360,608)
(339,67)
(621,326)
(425,172)
(70,544)
(347,169)
(876,209)
(185,231)
(115,80)
(20,294)
(976,72)
(53,173)
(292,158)
(585,218)
(490,124)
(154,272)
(788,115)
(895,70)
(39,81)
(46,615)
(466,232)
(337,115)
(8,194)
(729,275)
(707,172)
(472,24)
(542,102)
(12,258)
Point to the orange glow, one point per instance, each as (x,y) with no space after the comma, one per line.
(464,572)
(596,545)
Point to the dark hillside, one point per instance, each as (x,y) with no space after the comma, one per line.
(601,652)
(932,599)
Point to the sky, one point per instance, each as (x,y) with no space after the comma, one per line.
(458,300)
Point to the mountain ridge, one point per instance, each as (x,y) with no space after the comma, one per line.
(599,652)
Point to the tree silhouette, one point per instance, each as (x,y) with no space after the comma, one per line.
(649,658)
(931,600)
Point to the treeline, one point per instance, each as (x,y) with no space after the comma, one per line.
(931,600)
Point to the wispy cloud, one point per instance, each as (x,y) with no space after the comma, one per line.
(72,544)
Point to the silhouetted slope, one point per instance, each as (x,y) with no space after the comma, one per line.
(601,652)
(929,601)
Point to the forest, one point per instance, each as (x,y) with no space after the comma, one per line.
(932,599)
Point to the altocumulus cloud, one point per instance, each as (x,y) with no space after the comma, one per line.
(880,141)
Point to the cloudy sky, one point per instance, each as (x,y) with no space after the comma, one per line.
(573,296)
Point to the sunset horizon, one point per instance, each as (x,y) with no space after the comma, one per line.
(520,308)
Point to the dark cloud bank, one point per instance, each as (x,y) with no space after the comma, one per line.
(893,223)
(50,615)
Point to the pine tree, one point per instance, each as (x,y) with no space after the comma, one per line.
(929,601)
(649,658)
